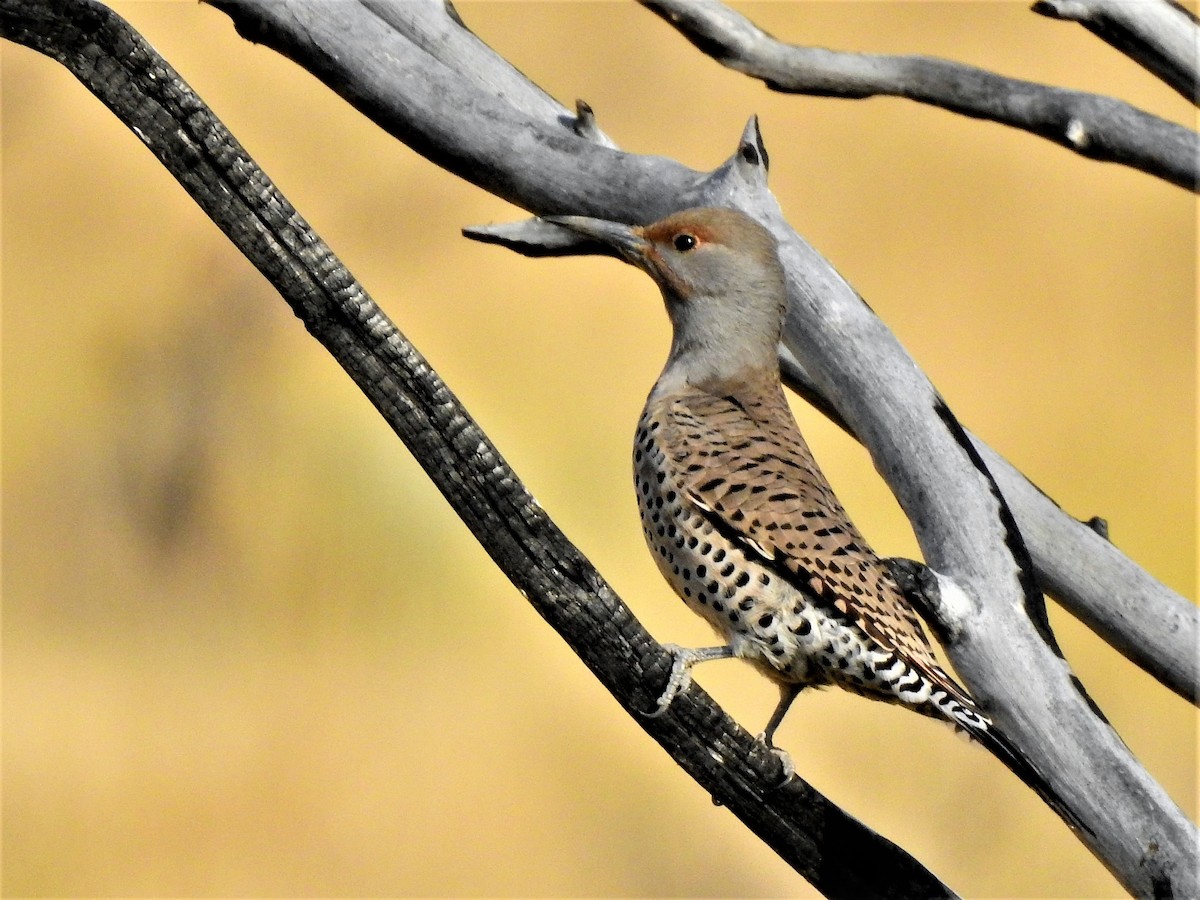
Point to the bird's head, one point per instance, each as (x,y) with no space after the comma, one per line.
(720,275)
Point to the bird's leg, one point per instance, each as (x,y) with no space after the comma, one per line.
(681,675)
(787,693)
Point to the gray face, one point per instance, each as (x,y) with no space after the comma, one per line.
(722,282)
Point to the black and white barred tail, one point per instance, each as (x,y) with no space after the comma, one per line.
(966,717)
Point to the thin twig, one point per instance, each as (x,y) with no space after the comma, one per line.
(1092,125)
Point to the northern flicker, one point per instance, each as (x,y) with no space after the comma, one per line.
(739,517)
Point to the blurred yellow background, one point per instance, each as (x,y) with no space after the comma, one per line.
(248,650)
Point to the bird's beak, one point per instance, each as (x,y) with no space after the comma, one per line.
(625,240)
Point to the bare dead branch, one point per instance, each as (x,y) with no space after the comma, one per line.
(917,444)
(1092,125)
(1079,566)
(1158,34)
(446,39)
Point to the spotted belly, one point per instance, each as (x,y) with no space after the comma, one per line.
(763,616)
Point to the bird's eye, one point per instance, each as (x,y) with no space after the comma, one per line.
(684,242)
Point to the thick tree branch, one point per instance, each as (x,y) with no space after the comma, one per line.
(446,39)
(839,855)
(1158,34)
(1102,586)
(1094,126)
(458,122)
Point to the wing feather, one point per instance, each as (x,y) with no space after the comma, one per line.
(741,459)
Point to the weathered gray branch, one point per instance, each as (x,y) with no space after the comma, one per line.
(839,855)
(1094,126)
(1159,34)
(448,41)
(996,629)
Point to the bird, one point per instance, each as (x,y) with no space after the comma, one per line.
(738,515)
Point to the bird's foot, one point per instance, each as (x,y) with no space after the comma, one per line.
(682,661)
(785,760)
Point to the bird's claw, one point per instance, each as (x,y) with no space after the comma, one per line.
(785,760)
(682,661)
